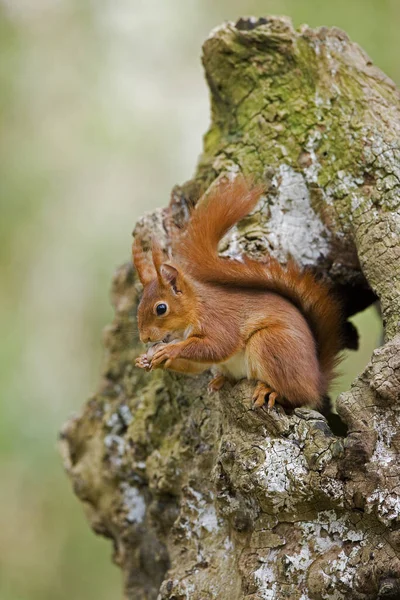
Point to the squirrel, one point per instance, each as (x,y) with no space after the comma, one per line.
(276,325)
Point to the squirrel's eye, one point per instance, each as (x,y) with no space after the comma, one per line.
(161,309)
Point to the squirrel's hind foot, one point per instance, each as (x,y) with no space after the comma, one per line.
(261,391)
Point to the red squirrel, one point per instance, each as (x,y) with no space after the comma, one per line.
(273,324)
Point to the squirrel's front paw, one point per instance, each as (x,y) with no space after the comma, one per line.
(166,354)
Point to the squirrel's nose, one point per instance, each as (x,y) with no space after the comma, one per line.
(145,339)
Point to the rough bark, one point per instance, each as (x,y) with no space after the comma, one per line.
(202,497)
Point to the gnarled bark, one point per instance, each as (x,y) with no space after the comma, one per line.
(202,497)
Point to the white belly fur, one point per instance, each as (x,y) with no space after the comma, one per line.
(235,367)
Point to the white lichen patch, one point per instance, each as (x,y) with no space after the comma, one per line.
(125,414)
(206,541)
(318,537)
(112,421)
(356,202)
(311,172)
(208,518)
(266,576)
(133,503)
(343,184)
(299,561)
(327,532)
(293,224)
(119,420)
(116,447)
(345,571)
(383,453)
(386,504)
(283,475)
(201,512)
(339,574)
(336,526)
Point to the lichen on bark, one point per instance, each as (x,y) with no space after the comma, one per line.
(202,497)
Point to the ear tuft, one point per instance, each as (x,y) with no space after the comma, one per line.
(143,265)
(170,276)
(157,254)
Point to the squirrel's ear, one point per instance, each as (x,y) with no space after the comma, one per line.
(143,265)
(171,277)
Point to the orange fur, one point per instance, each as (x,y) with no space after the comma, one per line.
(262,321)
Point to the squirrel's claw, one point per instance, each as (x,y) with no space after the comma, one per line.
(261,391)
(271,400)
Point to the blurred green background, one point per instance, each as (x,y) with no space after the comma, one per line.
(102,107)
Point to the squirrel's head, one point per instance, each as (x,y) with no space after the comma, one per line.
(166,309)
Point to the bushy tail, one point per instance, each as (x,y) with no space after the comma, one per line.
(197,248)
(211,218)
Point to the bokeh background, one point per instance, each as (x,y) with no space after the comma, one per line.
(102,110)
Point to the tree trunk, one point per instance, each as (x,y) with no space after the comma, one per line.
(202,497)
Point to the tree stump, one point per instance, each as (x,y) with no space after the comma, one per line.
(202,497)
